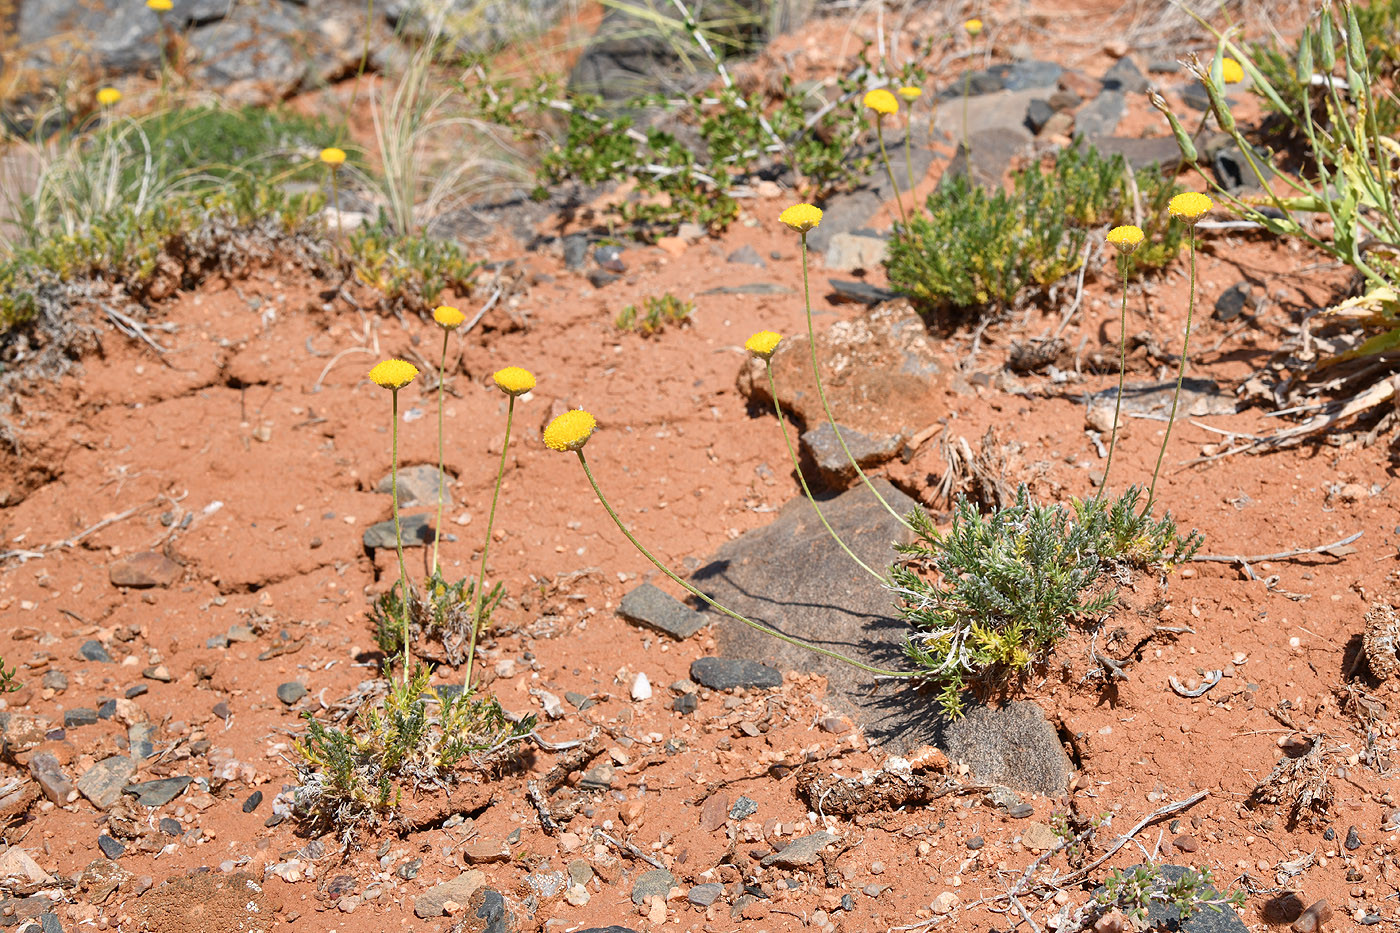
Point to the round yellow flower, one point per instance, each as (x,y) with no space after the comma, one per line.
(1189,207)
(801,217)
(763,344)
(882,102)
(108,96)
(160,6)
(448,317)
(1230,71)
(911,93)
(393,374)
(1126,238)
(973,26)
(570,431)
(333,156)
(514,381)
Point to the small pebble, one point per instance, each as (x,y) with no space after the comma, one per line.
(252,802)
(976,842)
(1353,840)
(110,847)
(1020,811)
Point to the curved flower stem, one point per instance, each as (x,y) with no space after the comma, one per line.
(442,444)
(908,151)
(797,466)
(1181,371)
(821,393)
(398,537)
(1122,367)
(729,612)
(477,596)
(889,172)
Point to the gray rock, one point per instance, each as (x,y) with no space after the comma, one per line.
(861,292)
(1140,153)
(824,448)
(685,704)
(103,782)
(475,26)
(140,737)
(1353,840)
(598,777)
(79,716)
(107,710)
(580,872)
(49,923)
(418,486)
(1232,301)
(1125,76)
(253,801)
(729,673)
(291,691)
(546,884)
(1194,96)
(801,852)
(651,606)
(848,252)
(1038,112)
(1032,73)
(993,151)
(610,258)
(746,255)
(110,847)
(159,792)
(880,370)
(752,288)
(92,650)
(601,278)
(1234,172)
(1003,110)
(1012,745)
(703,895)
(1101,115)
(1161,916)
(460,889)
(417,532)
(575,251)
(57,681)
(254,54)
(46,771)
(852,210)
(742,809)
(653,883)
(491,915)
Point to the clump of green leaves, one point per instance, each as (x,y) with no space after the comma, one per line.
(1004,587)
(217,143)
(411,270)
(9,683)
(655,314)
(415,738)
(971,248)
(1185,893)
(440,613)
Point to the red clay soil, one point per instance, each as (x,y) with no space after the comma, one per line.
(247,454)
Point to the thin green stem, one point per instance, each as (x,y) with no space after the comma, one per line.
(797,466)
(398,538)
(729,612)
(1122,370)
(442,447)
(478,595)
(889,171)
(908,151)
(821,393)
(335,204)
(1181,371)
(967,144)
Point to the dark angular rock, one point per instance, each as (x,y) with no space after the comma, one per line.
(107,710)
(1037,113)
(869,450)
(1126,77)
(752,288)
(1353,840)
(1232,301)
(746,255)
(860,292)
(92,650)
(610,258)
(1233,172)
(137,690)
(1032,73)
(653,883)
(110,847)
(80,716)
(417,532)
(801,852)
(170,826)
(1101,115)
(1161,151)
(600,278)
(1194,96)
(685,704)
(253,801)
(651,606)
(1062,100)
(575,251)
(103,782)
(159,792)
(57,681)
(703,895)
(49,923)
(742,809)
(993,150)
(728,673)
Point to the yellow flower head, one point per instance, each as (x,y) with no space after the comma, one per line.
(514,381)
(1230,71)
(1126,238)
(763,344)
(160,6)
(108,96)
(333,156)
(801,217)
(882,102)
(1189,207)
(570,431)
(911,93)
(393,374)
(448,317)
(973,27)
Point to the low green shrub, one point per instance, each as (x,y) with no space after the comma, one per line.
(1006,586)
(411,270)
(971,248)
(441,613)
(655,314)
(1190,892)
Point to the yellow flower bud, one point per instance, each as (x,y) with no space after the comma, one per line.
(333,156)
(393,374)
(514,381)
(570,431)
(1189,207)
(882,102)
(801,217)
(763,344)
(108,96)
(448,317)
